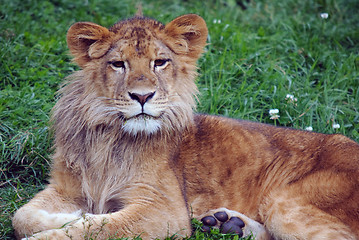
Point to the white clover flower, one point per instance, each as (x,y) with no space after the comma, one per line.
(274,117)
(274,113)
(324,15)
(336,125)
(310,128)
(290,98)
(217,21)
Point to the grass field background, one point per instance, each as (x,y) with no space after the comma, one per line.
(300,57)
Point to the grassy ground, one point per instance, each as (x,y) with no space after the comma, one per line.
(280,55)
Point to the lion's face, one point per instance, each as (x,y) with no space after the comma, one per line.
(140,81)
(141,70)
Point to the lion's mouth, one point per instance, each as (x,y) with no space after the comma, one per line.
(142,123)
(143,116)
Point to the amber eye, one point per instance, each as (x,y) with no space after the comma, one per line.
(118,64)
(161,62)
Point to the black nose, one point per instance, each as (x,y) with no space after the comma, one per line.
(142,99)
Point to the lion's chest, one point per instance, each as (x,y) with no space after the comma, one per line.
(107,179)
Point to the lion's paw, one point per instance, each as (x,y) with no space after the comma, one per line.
(226,224)
(233,222)
(48,235)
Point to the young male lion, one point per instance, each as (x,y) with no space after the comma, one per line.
(133,159)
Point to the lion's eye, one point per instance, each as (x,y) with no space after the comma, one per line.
(118,64)
(161,62)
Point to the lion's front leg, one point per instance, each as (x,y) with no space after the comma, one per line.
(87,227)
(47,210)
(155,210)
(148,222)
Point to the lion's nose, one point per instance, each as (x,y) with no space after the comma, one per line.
(142,99)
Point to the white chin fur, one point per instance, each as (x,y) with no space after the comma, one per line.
(141,125)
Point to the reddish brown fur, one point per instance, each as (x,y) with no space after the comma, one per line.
(132,177)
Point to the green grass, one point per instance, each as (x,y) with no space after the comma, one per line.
(255,57)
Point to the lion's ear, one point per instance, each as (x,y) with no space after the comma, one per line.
(87,41)
(190,34)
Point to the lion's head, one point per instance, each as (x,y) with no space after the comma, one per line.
(139,73)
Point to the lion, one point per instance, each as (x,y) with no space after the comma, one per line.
(133,159)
